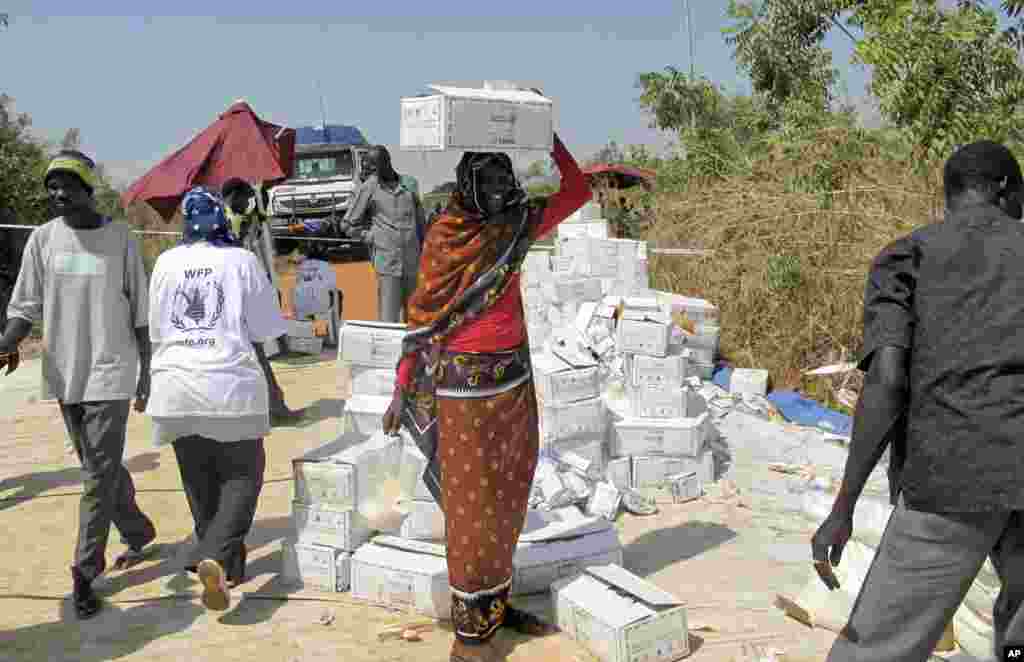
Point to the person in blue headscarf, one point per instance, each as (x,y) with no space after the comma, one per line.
(211,307)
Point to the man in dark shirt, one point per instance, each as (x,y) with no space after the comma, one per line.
(944,355)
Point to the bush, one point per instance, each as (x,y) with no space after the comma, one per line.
(792,243)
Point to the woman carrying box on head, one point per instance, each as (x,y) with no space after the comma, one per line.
(465,389)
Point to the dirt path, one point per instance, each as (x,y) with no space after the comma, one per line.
(727,560)
(355,279)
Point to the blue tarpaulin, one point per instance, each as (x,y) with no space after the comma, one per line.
(340,134)
(796,408)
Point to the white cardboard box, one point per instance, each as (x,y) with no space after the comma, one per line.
(703,347)
(462,118)
(425,521)
(745,380)
(646,304)
(416,458)
(620,472)
(586,458)
(605,501)
(595,229)
(324,481)
(620,617)
(669,370)
(657,401)
(371,343)
(590,211)
(577,289)
(654,471)
(697,311)
(685,487)
(536,267)
(644,332)
(582,420)
(304,345)
(363,414)
(355,379)
(316,566)
(326,484)
(345,530)
(659,436)
(539,564)
(559,382)
(401,578)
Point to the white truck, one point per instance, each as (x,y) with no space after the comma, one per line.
(312,202)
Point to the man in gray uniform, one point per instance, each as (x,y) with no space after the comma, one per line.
(943,317)
(83,276)
(386,213)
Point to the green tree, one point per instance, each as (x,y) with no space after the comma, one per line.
(22,162)
(944,76)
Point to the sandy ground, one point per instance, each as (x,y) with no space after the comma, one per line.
(726,559)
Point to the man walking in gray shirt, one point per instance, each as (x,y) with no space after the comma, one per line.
(83,276)
(389,205)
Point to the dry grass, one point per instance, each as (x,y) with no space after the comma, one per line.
(790,257)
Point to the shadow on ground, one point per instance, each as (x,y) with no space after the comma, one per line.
(112,634)
(659,549)
(29,486)
(321,410)
(172,558)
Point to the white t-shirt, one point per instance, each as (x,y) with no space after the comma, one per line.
(314,281)
(208,305)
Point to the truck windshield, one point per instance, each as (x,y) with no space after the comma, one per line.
(324,165)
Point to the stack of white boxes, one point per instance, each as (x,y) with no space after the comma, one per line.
(368,354)
(302,339)
(661,448)
(328,526)
(697,322)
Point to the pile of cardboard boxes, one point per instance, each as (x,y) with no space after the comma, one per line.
(617,368)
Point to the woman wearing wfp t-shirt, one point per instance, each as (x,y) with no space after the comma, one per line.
(211,306)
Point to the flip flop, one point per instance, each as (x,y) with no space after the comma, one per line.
(216,595)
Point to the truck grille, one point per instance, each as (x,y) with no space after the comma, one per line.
(307,204)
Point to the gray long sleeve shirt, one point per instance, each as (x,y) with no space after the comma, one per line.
(393,216)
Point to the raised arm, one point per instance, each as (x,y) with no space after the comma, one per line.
(572,194)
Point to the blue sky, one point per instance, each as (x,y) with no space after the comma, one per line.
(138,88)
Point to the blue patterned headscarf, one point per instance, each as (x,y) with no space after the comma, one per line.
(205,219)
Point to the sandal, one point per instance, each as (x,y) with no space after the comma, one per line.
(216,595)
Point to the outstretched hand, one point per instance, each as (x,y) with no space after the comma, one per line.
(827,546)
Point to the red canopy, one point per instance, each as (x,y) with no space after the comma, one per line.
(238,144)
(625,175)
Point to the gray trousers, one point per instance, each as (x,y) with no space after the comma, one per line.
(925,564)
(392,294)
(222,484)
(97,431)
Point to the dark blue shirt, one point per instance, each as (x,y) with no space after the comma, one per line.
(952,293)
